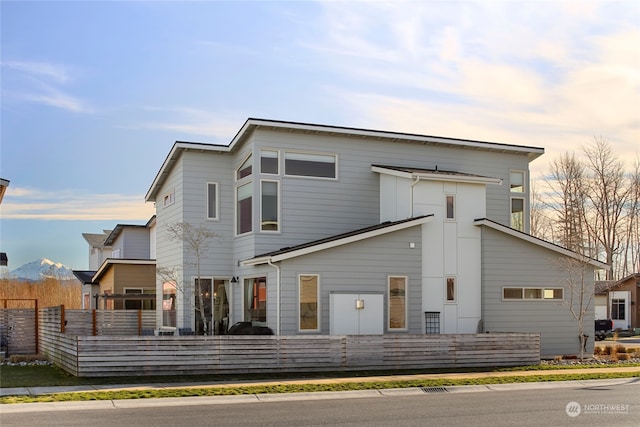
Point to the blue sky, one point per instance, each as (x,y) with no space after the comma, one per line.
(93,94)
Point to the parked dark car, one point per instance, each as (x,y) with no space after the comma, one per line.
(603,327)
(247,328)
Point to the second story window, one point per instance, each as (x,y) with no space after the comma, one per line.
(244,206)
(516,182)
(269,162)
(269,206)
(451,214)
(245,169)
(169,198)
(310,165)
(517,213)
(212,200)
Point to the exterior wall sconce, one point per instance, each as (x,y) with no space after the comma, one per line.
(359,304)
(234,279)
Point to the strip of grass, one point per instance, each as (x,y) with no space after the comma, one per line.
(298,388)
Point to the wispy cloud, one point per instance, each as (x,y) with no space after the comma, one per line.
(42,82)
(36,204)
(541,74)
(184,122)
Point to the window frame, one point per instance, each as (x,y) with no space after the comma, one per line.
(216,201)
(311,153)
(453,207)
(511,212)
(246,160)
(169,198)
(277,153)
(278,209)
(255,281)
(238,218)
(317,302)
(453,281)
(405,325)
(524,176)
(542,292)
(621,305)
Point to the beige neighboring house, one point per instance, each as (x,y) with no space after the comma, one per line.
(618,301)
(122,268)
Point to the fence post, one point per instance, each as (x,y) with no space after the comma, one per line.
(62,319)
(37,329)
(94,328)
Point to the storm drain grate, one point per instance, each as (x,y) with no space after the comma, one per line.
(435,390)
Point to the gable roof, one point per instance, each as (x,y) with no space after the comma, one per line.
(539,242)
(434,174)
(337,240)
(254,123)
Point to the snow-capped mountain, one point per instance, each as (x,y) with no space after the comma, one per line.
(42,269)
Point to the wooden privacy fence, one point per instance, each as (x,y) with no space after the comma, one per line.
(98,322)
(18,331)
(98,356)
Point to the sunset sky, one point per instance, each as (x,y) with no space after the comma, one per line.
(93,94)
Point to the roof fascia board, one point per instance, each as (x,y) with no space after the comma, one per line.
(172,157)
(107,263)
(434,176)
(533,152)
(540,242)
(335,243)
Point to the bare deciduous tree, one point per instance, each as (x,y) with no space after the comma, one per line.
(195,241)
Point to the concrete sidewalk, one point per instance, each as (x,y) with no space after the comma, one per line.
(36,391)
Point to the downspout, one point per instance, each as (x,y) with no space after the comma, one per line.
(277,295)
(413,184)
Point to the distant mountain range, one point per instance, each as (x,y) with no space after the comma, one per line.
(42,269)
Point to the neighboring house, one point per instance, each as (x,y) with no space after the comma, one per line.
(333,230)
(4,183)
(125,273)
(619,301)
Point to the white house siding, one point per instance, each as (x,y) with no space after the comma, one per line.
(359,267)
(511,262)
(168,253)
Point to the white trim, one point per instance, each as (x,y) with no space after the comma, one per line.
(539,242)
(217,201)
(318,309)
(272,150)
(336,243)
(438,176)
(279,213)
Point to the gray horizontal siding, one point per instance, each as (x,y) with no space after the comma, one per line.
(507,261)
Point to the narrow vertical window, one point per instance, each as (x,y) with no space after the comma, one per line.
(451,289)
(516,180)
(397,302)
(243,209)
(269,206)
(308,289)
(517,214)
(269,162)
(451,207)
(246,168)
(212,200)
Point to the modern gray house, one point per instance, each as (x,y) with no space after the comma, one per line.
(333,230)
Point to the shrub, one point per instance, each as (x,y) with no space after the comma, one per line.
(621,349)
(606,351)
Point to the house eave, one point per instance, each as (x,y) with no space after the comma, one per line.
(437,176)
(335,243)
(107,263)
(539,242)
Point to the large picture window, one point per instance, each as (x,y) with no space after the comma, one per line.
(269,218)
(255,300)
(308,290)
(244,207)
(397,302)
(310,165)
